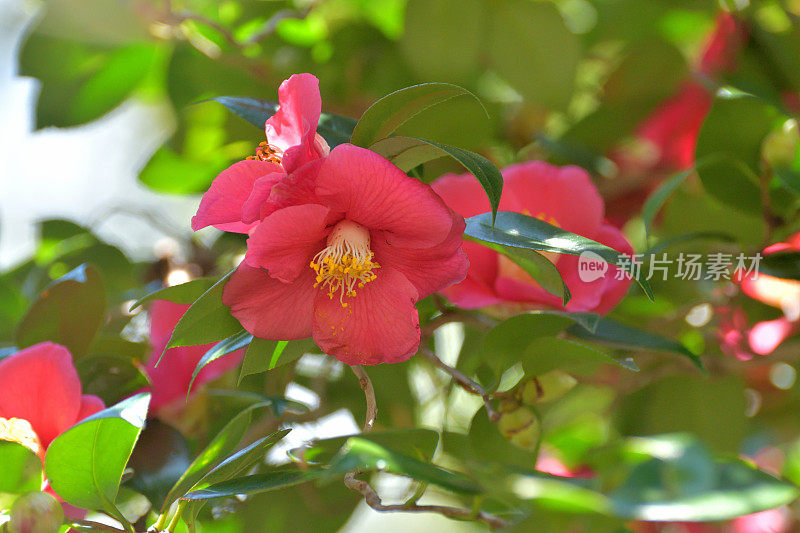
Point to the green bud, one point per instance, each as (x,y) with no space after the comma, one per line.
(36,512)
(547,387)
(519,425)
(779,147)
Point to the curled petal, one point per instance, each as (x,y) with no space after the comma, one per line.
(287,239)
(294,126)
(268,308)
(222,204)
(379,325)
(370,190)
(40,385)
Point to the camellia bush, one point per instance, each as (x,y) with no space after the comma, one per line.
(546,254)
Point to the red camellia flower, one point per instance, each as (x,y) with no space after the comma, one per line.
(240,196)
(170,379)
(562,196)
(40,396)
(356,244)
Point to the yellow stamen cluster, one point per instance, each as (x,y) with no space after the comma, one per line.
(346,264)
(266,152)
(20,431)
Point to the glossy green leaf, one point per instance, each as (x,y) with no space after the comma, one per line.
(613,333)
(537,266)
(263,355)
(408,152)
(364,455)
(20,469)
(217,450)
(185,293)
(387,114)
(656,200)
(521,231)
(53,316)
(279,478)
(222,348)
(85,463)
(207,320)
(335,129)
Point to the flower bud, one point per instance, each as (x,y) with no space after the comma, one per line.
(546,387)
(779,147)
(519,424)
(36,512)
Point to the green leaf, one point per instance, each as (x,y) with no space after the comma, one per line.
(20,469)
(85,463)
(505,344)
(551,353)
(521,231)
(53,316)
(656,200)
(541,66)
(220,446)
(687,485)
(222,348)
(364,455)
(420,443)
(111,377)
(263,354)
(207,320)
(274,480)
(185,293)
(408,152)
(335,129)
(536,265)
(383,117)
(732,175)
(613,333)
(785,265)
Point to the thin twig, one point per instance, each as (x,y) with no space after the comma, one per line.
(369,393)
(374,501)
(464,382)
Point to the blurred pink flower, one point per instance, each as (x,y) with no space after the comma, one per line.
(241,195)
(345,263)
(562,196)
(783,294)
(170,379)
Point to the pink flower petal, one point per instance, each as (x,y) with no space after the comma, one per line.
(766,336)
(40,385)
(253,208)
(428,269)
(371,191)
(90,405)
(286,240)
(268,308)
(379,325)
(462,193)
(293,127)
(550,192)
(221,205)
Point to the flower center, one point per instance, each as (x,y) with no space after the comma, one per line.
(345,264)
(267,152)
(20,431)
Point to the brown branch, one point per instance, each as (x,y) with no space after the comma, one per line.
(369,393)
(464,382)
(374,501)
